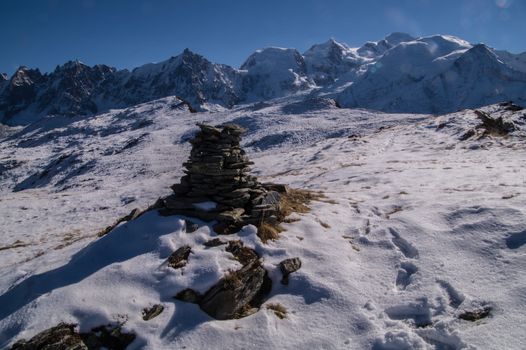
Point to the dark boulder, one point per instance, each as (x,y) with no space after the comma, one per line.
(236,294)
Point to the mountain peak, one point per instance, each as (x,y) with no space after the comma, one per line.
(396,38)
(73,64)
(188,52)
(479,53)
(69,66)
(25,75)
(3,77)
(21,68)
(273,58)
(189,56)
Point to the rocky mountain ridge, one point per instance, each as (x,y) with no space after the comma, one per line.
(400,73)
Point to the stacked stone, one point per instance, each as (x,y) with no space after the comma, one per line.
(218,170)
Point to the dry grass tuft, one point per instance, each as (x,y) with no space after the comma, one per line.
(279,310)
(268,231)
(292,201)
(297,201)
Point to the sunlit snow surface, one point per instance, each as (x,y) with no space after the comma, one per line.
(417,226)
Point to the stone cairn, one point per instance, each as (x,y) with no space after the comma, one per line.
(217,184)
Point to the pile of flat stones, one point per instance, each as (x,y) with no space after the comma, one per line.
(217,184)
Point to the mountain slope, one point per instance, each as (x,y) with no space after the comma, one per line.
(274,72)
(478,76)
(188,75)
(328,61)
(417,229)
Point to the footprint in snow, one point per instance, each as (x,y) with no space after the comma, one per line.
(406,248)
(405,273)
(455,297)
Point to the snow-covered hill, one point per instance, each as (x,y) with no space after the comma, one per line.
(396,74)
(418,228)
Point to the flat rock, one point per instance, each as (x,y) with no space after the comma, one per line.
(233,129)
(271,198)
(209,129)
(152,312)
(236,292)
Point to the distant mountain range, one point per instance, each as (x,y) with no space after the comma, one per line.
(400,73)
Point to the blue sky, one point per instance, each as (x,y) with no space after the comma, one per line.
(128,33)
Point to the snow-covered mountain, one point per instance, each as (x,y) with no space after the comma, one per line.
(77,89)
(274,72)
(189,75)
(331,60)
(399,73)
(436,74)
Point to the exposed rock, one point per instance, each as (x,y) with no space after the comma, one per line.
(60,337)
(287,267)
(475,315)
(240,292)
(468,134)
(237,293)
(214,243)
(152,312)
(494,126)
(179,258)
(64,337)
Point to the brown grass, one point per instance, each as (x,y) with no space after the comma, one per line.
(293,201)
(279,310)
(268,231)
(296,201)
